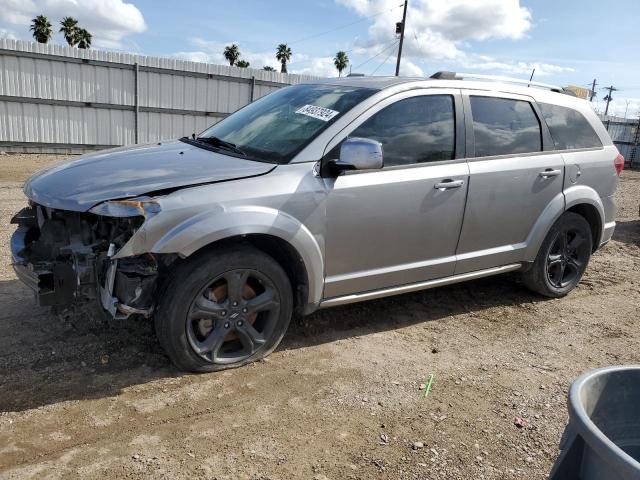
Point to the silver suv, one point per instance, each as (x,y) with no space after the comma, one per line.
(317,195)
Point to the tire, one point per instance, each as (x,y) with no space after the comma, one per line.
(199,325)
(562,258)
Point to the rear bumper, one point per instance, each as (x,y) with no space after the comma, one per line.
(607,232)
(51,283)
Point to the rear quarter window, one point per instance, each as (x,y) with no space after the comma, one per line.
(569,128)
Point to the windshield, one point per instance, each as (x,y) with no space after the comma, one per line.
(276,127)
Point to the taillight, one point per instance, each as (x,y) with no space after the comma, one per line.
(619,164)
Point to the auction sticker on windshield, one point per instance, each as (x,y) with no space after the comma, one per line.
(321,113)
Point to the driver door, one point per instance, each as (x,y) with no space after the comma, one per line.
(399,225)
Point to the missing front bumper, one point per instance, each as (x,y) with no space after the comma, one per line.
(65,259)
(53,284)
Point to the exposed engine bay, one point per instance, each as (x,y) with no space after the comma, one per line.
(66,258)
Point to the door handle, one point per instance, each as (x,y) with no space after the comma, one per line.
(550,173)
(448,184)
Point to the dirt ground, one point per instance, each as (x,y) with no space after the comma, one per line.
(339,399)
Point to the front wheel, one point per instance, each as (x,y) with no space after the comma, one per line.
(223,309)
(563,257)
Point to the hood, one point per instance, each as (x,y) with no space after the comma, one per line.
(127,172)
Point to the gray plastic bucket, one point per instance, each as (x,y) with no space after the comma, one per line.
(602,440)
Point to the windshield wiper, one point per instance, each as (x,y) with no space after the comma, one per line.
(218,142)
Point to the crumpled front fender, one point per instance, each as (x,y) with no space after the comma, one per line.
(219,223)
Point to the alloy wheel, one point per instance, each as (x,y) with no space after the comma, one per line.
(233,316)
(567,257)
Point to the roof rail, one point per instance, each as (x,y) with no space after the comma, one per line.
(496,78)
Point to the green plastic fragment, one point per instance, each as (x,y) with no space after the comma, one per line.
(428,389)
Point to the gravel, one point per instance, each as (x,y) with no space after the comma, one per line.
(109,394)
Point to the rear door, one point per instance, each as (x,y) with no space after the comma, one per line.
(514,176)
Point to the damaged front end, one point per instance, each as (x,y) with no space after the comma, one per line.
(66,257)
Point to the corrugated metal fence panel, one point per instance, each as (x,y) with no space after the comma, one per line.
(38,123)
(163,126)
(54,79)
(55,98)
(625,133)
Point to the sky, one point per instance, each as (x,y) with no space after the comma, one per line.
(568,42)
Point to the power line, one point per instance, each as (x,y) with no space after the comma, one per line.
(315,35)
(391,45)
(383,62)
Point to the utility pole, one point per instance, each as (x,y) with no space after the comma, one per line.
(404,19)
(593,90)
(608,98)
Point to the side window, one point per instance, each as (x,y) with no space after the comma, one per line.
(413,130)
(503,126)
(569,128)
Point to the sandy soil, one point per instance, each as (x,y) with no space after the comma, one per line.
(339,399)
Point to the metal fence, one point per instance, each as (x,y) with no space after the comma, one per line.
(625,134)
(57,99)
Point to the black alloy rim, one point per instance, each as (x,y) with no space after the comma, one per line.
(567,258)
(233,316)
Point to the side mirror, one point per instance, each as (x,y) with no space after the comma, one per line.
(360,154)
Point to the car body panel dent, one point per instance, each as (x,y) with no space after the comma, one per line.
(126,173)
(293,211)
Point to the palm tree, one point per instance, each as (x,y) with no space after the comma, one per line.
(242,64)
(341,61)
(268,68)
(83,38)
(41,29)
(68,28)
(283,55)
(232,53)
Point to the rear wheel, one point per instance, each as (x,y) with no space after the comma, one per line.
(223,309)
(563,257)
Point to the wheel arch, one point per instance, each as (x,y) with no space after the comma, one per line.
(586,202)
(590,214)
(579,199)
(282,252)
(275,233)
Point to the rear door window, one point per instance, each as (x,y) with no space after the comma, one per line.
(503,126)
(569,128)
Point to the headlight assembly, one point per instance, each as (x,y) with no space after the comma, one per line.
(145,207)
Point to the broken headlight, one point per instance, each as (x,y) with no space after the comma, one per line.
(137,207)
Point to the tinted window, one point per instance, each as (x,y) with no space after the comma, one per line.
(413,130)
(504,127)
(569,128)
(276,127)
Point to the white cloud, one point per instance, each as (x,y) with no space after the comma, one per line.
(442,31)
(17,12)
(9,34)
(513,68)
(410,69)
(439,29)
(321,67)
(109,21)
